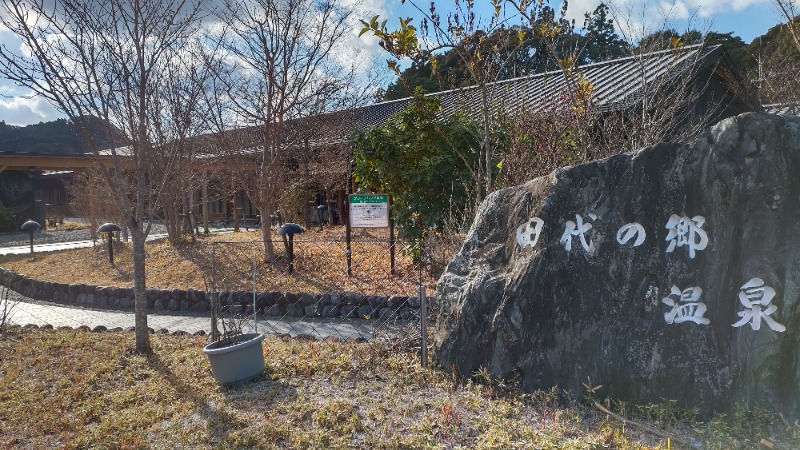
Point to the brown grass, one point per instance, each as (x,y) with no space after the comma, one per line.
(319,265)
(69,226)
(74,389)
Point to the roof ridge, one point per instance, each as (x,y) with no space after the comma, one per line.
(557,72)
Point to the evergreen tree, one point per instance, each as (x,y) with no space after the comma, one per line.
(603,43)
(736,48)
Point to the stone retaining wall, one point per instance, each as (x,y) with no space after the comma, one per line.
(276,304)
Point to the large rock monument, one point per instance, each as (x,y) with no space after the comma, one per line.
(671,273)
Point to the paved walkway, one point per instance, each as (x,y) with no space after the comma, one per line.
(55,246)
(27,311)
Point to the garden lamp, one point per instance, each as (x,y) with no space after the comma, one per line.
(290,229)
(31,226)
(109,228)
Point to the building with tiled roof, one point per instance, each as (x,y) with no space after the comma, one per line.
(618,85)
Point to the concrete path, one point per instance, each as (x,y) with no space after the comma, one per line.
(55,246)
(27,311)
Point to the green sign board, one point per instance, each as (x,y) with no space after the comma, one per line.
(369,211)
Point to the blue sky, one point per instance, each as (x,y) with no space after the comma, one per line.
(746,18)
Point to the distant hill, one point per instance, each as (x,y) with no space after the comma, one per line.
(53,138)
(776,65)
(776,45)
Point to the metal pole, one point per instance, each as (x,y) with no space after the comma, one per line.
(348,250)
(214,295)
(423,319)
(391,236)
(291,253)
(110,248)
(31,233)
(255,315)
(348,229)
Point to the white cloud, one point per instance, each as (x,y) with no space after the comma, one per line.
(636,18)
(21,110)
(708,8)
(578,8)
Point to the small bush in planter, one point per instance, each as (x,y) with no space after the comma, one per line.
(236,357)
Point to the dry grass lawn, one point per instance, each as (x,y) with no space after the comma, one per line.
(74,389)
(319,264)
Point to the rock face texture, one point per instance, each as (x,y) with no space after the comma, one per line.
(671,273)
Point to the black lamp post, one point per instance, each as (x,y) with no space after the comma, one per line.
(290,229)
(109,228)
(31,226)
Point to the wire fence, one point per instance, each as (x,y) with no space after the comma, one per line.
(372,290)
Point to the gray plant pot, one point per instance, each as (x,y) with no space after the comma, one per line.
(241,361)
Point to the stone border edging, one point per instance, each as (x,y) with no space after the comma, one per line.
(102,329)
(272,304)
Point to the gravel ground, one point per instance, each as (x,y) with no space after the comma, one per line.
(42,237)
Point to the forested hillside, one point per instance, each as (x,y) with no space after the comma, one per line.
(49,138)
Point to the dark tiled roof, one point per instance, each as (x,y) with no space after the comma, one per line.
(616,84)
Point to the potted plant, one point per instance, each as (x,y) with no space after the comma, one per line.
(236,356)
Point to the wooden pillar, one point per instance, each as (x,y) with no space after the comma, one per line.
(329,204)
(340,205)
(235,212)
(205,203)
(91,192)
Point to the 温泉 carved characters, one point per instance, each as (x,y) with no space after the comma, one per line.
(671,273)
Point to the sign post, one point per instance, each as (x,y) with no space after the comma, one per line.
(369,211)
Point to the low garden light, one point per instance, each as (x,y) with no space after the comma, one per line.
(290,229)
(31,226)
(109,228)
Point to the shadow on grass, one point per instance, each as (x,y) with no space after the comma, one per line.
(260,392)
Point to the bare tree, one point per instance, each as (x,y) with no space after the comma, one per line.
(778,71)
(92,198)
(110,60)
(671,103)
(7,306)
(283,68)
(180,116)
(789,10)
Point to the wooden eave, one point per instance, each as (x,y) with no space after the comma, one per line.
(21,161)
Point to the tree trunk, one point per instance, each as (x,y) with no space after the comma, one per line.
(140,291)
(186,223)
(169,221)
(266,232)
(307,211)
